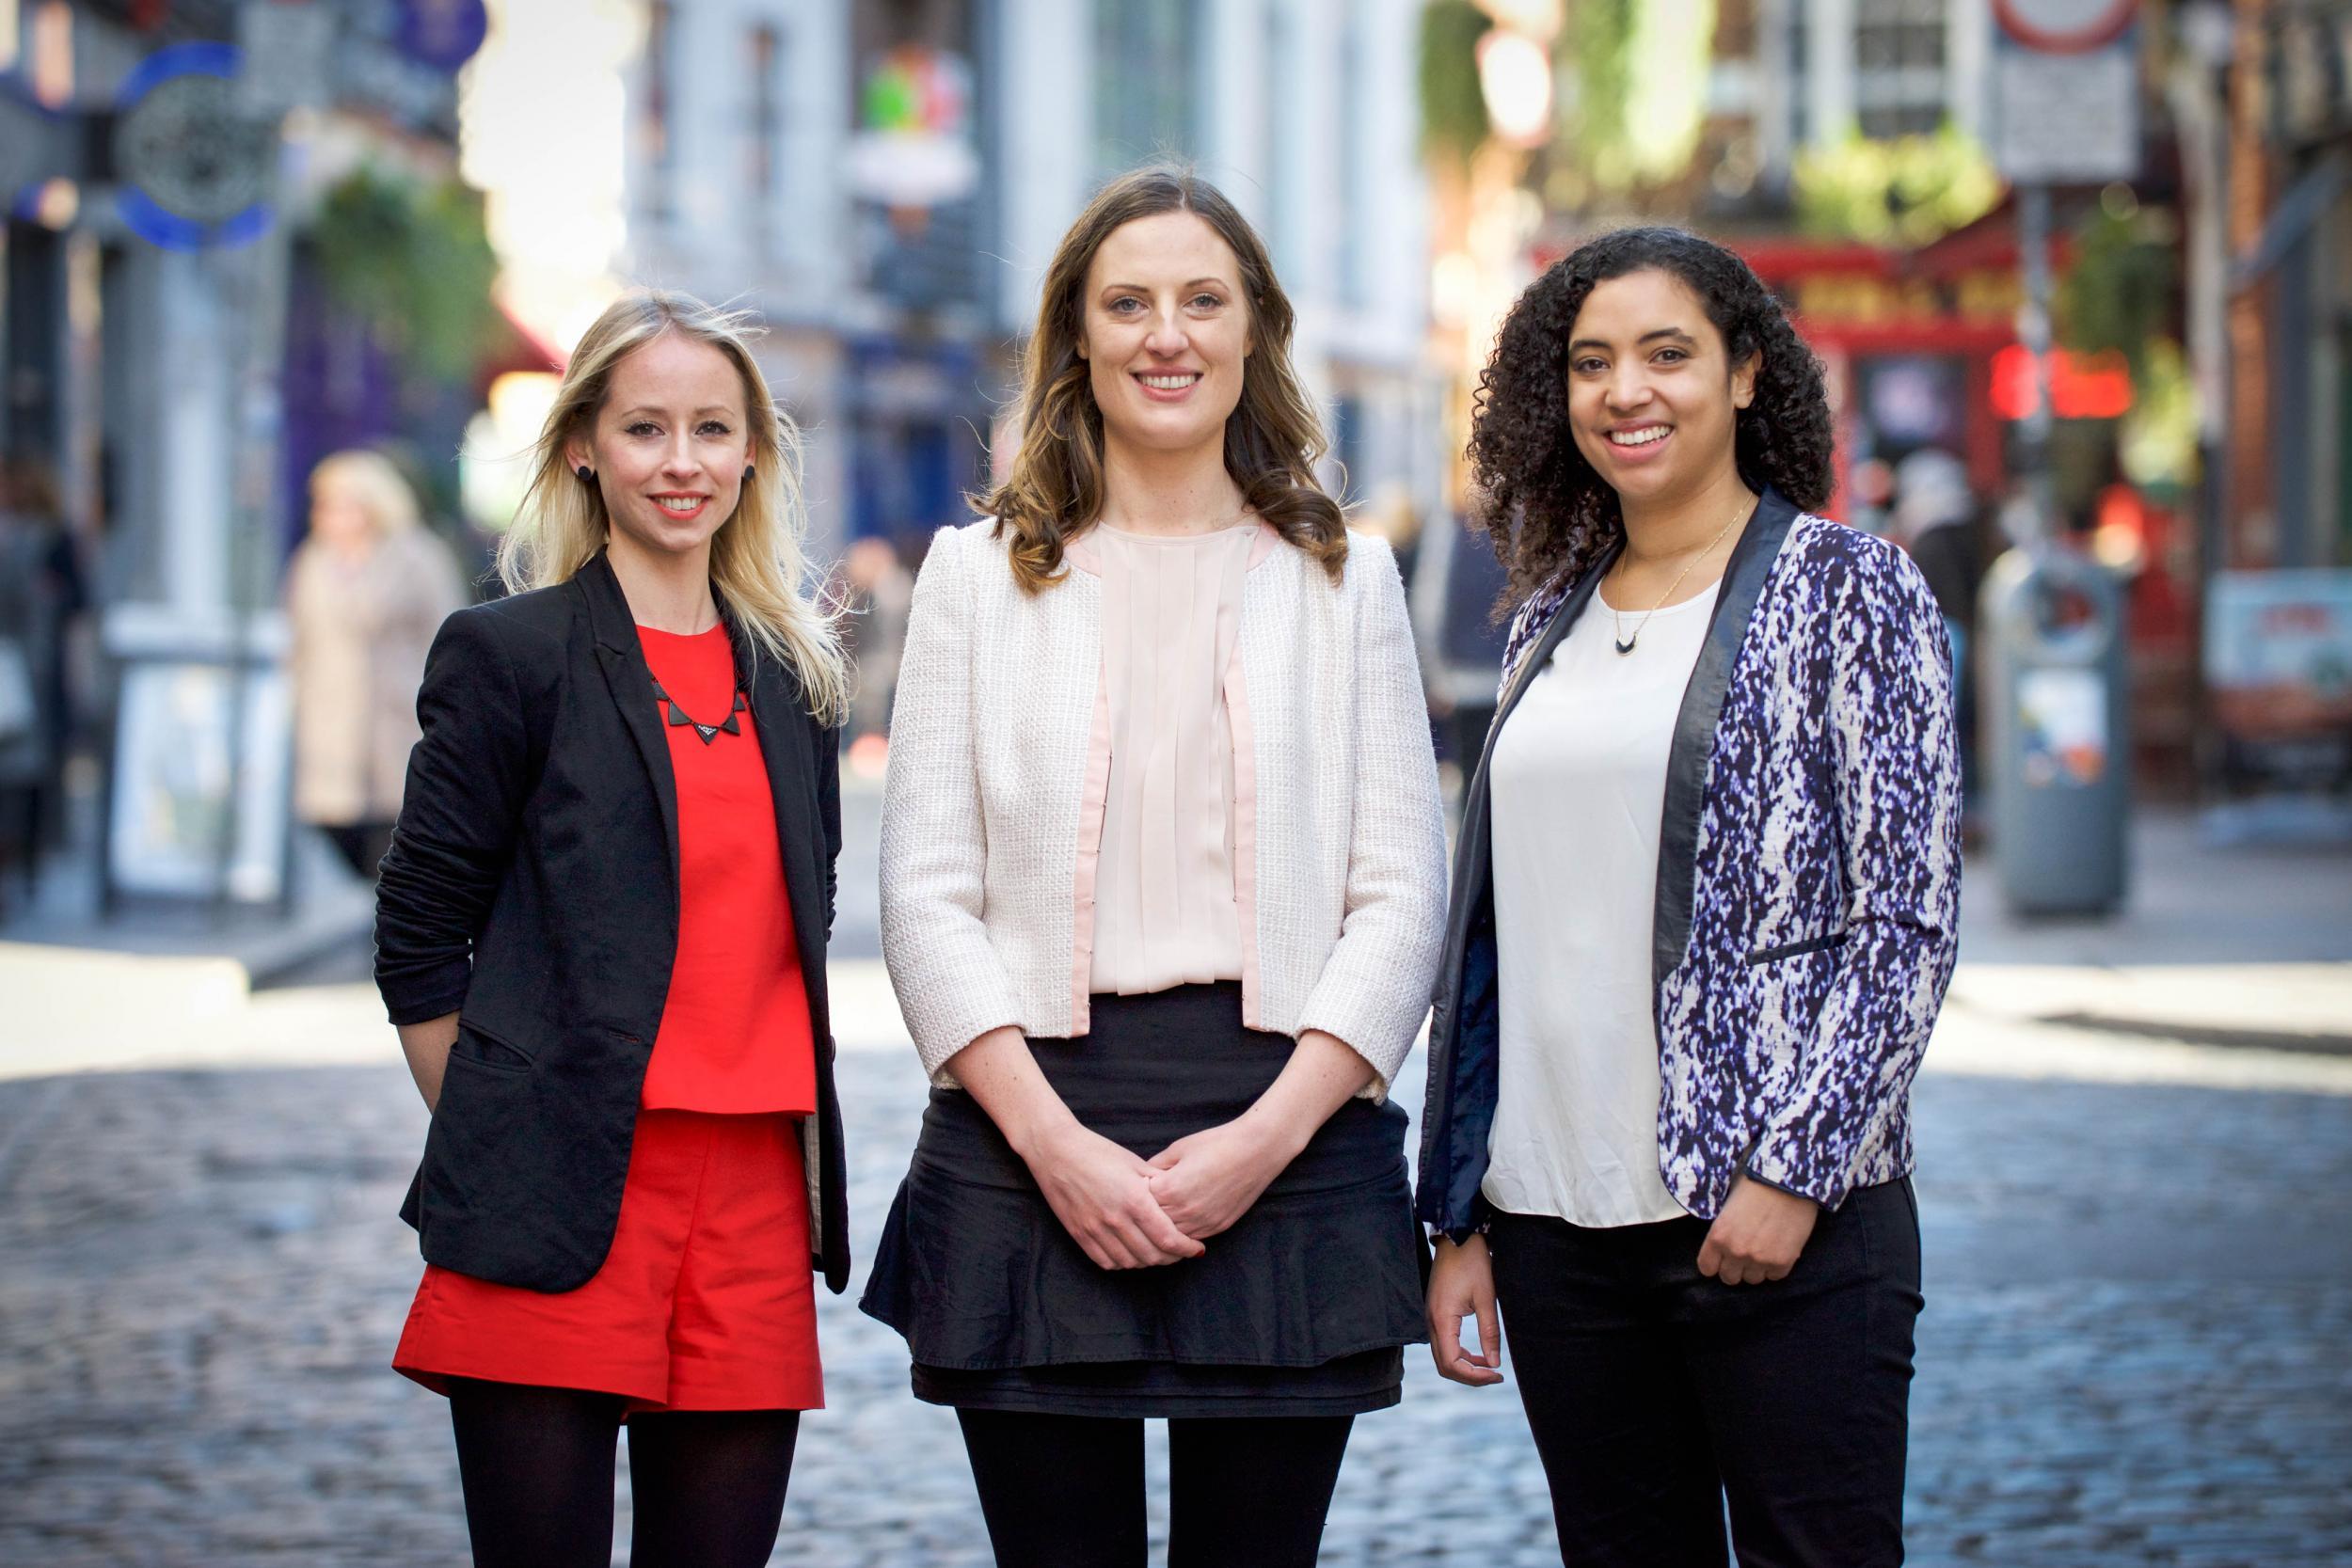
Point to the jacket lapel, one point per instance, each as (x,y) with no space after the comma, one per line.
(630,680)
(784,742)
(1744,576)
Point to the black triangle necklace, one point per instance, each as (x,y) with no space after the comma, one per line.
(708,732)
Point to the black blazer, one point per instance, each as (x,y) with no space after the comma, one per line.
(532,888)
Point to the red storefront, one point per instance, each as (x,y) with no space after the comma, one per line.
(1921,345)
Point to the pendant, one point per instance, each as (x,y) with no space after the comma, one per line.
(1625,647)
(679,718)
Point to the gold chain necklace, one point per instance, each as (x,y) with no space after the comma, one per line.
(1623,643)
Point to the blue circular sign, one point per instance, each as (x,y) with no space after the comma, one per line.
(443,34)
(194,166)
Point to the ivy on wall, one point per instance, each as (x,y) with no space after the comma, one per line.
(1453,105)
(410,258)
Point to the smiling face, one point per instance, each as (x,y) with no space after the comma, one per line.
(1653,396)
(669,446)
(1163,328)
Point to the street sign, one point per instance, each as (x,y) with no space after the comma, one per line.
(2067,118)
(443,34)
(2064,26)
(286,50)
(196,164)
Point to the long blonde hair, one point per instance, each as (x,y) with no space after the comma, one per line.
(757,569)
(1272,438)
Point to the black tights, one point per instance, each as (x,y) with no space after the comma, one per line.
(708,1486)
(1067,1491)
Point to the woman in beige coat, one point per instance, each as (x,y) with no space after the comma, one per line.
(365,594)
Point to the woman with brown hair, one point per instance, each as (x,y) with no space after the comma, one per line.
(1161,895)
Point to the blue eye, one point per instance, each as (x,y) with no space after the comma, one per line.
(643,427)
(715,427)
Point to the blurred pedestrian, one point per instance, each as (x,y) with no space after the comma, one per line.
(1454,598)
(42,589)
(601,929)
(1166,663)
(881,591)
(1936,515)
(1703,918)
(365,593)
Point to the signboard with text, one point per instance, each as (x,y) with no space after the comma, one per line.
(2066,81)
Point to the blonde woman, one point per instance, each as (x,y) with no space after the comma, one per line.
(1162,895)
(364,593)
(601,931)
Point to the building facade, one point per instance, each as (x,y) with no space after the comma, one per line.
(885,182)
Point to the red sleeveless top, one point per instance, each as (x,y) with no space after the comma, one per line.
(735,1030)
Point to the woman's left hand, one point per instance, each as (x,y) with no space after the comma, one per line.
(1759,1236)
(1206,1181)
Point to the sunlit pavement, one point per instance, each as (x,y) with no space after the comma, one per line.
(2135,1181)
(2139,1279)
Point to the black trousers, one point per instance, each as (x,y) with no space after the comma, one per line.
(1067,1491)
(1657,1394)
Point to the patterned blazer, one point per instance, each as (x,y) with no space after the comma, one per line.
(1808,881)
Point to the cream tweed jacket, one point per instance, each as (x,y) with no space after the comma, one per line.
(994,784)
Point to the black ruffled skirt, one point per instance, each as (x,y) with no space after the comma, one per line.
(1300,1309)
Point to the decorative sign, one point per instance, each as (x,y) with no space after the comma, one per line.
(915,148)
(196,165)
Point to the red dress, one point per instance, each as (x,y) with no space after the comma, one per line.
(706,1301)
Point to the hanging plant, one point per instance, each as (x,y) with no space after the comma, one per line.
(1453,105)
(1901,190)
(410,258)
(2118,294)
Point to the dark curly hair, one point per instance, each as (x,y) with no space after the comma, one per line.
(1549,512)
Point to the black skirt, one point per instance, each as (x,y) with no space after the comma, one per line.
(1300,1309)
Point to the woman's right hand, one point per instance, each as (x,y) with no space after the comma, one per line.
(426,1045)
(1102,1193)
(1462,1284)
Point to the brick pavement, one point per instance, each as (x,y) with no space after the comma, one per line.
(2140,1297)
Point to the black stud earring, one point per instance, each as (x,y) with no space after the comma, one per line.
(587,475)
(747,476)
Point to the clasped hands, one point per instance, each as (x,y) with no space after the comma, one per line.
(1129,1213)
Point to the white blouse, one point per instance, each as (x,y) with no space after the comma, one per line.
(1164,911)
(1579,780)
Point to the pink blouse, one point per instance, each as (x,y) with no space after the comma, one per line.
(1167,910)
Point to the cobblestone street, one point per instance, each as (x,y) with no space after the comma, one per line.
(2140,1296)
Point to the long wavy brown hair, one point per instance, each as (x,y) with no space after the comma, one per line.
(1272,438)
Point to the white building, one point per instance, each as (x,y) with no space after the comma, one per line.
(893,327)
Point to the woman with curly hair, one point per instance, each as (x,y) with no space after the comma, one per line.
(1162,882)
(1703,919)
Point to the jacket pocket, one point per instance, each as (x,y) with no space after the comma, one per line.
(477,1047)
(1791,949)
